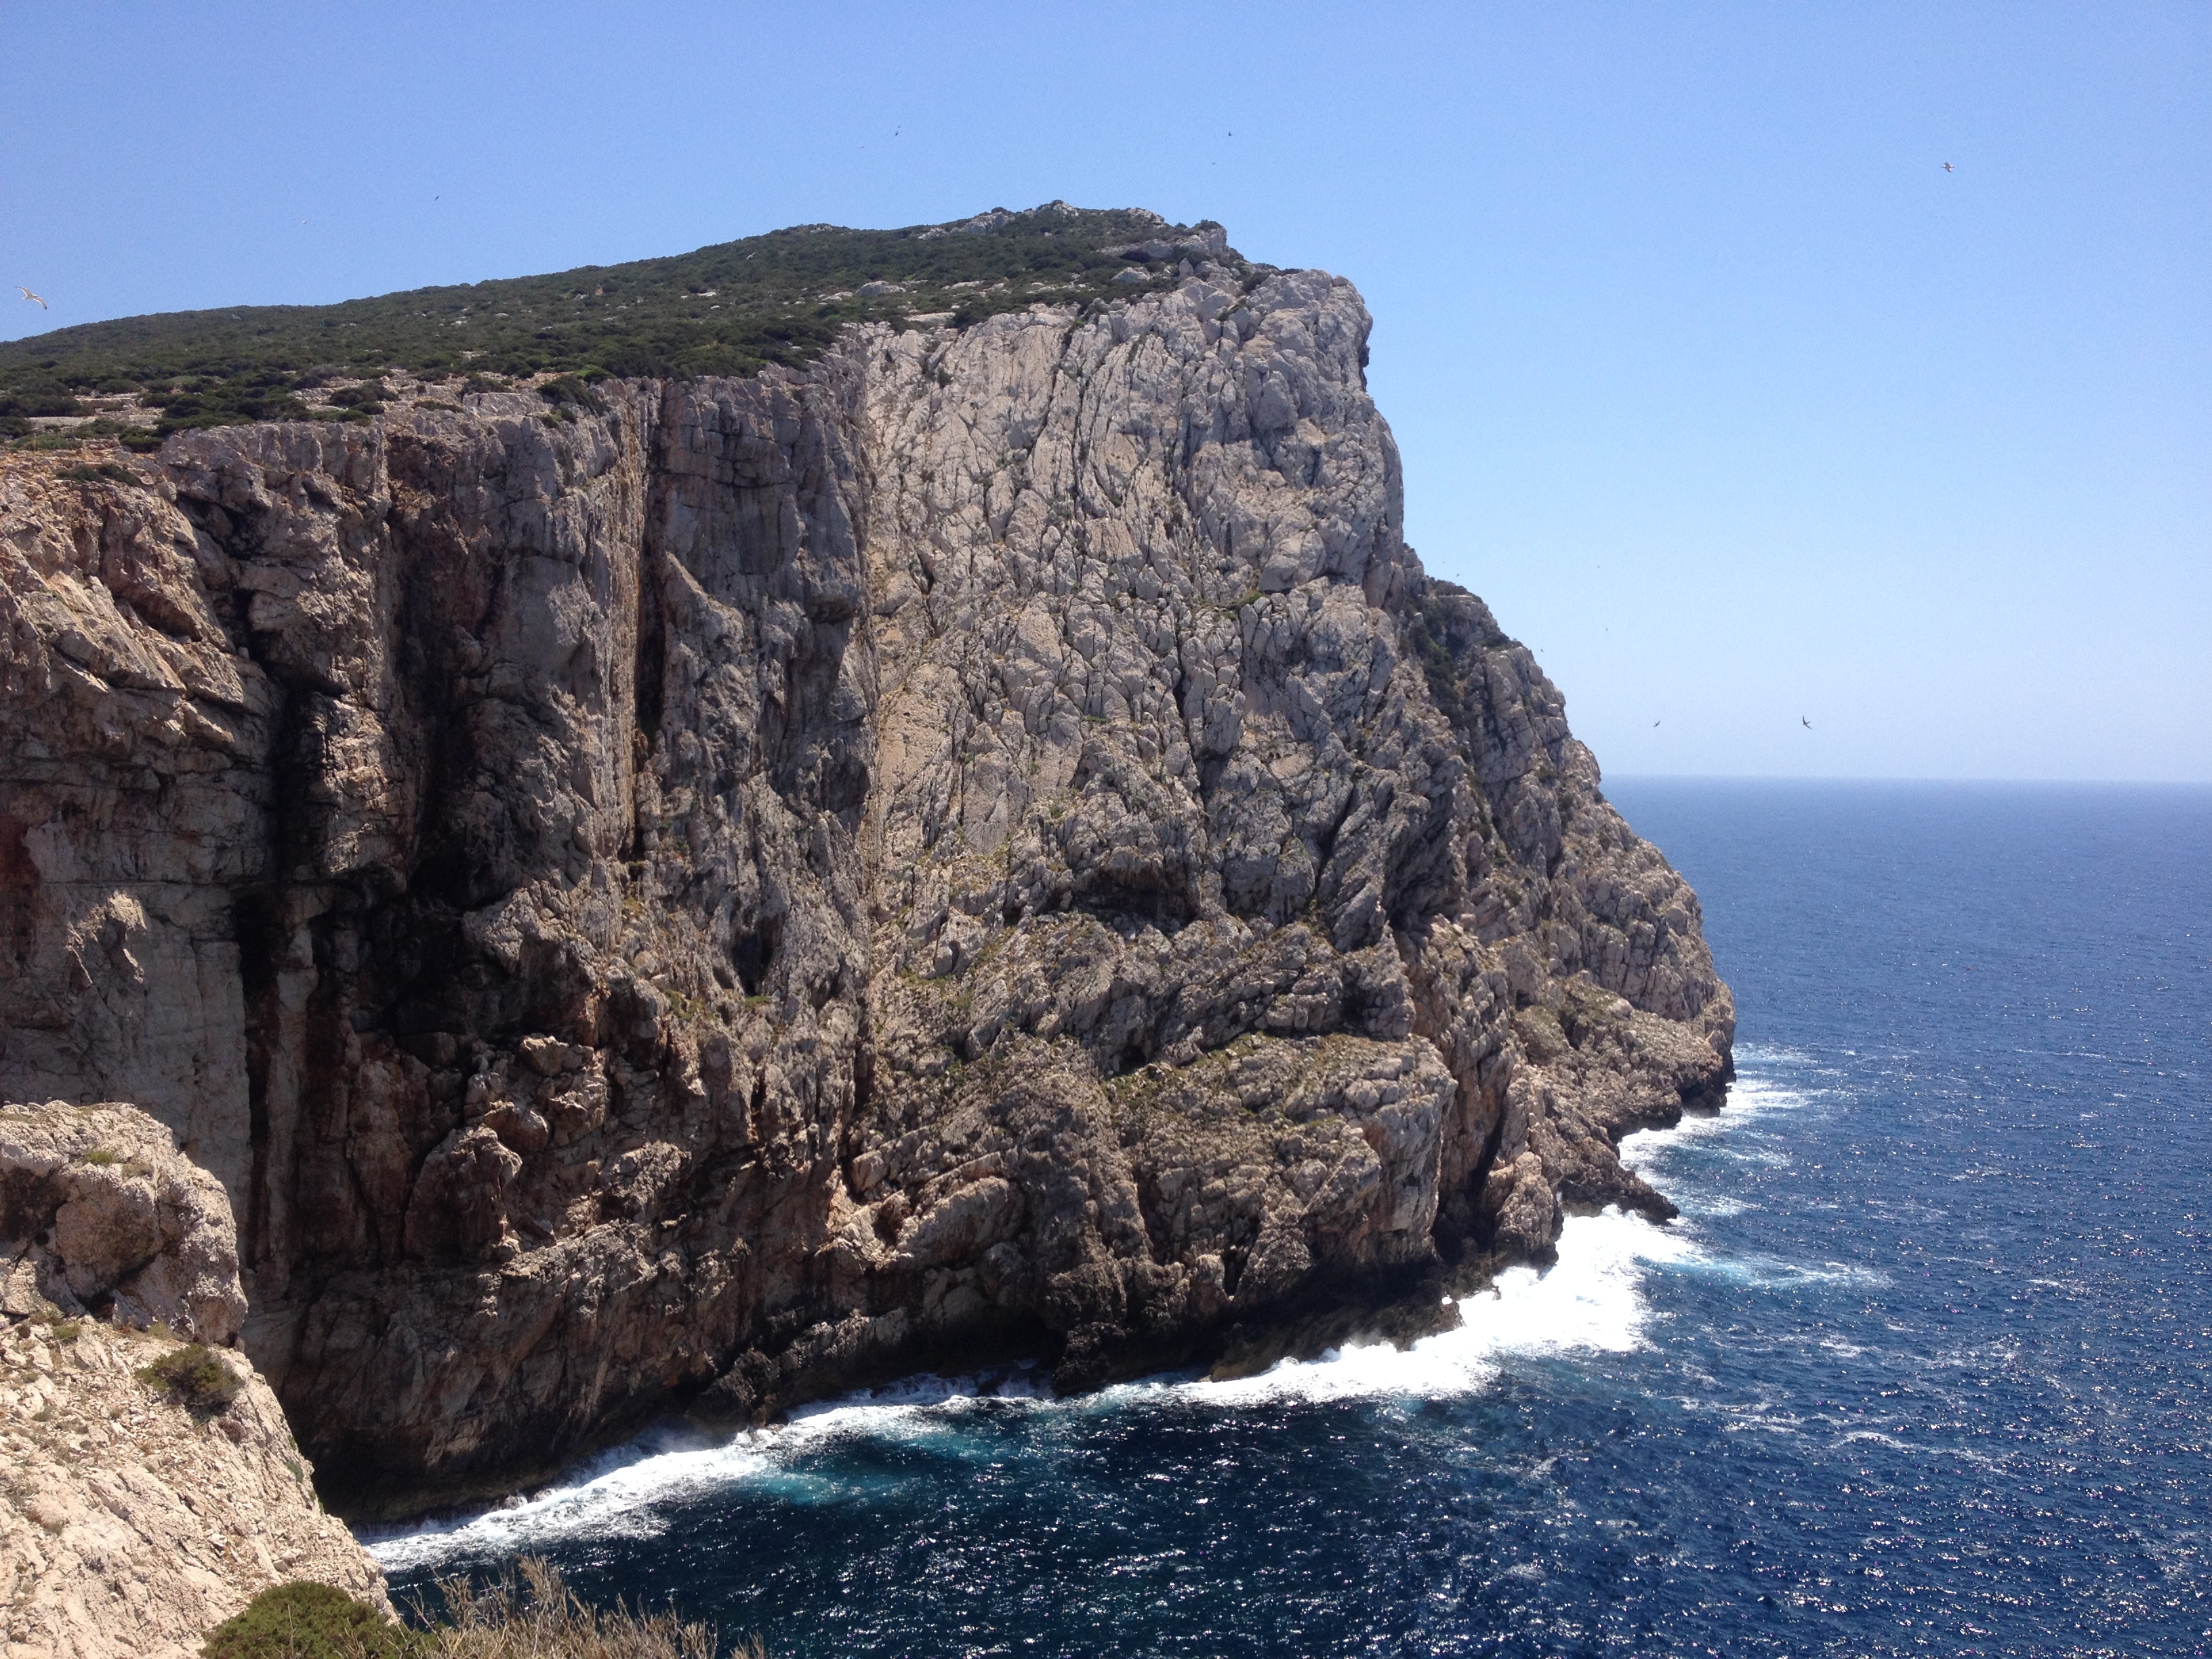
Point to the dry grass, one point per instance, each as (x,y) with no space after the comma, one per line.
(526,1613)
(529,1614)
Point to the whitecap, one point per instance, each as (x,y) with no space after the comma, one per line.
(615,1497)
(1715,1207)
(1772,1273)
(1751,1100)
(624,1493)
(1591,1300)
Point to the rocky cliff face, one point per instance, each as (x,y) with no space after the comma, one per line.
(992,842)
(132,1522)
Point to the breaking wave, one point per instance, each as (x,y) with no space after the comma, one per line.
(1592,1300)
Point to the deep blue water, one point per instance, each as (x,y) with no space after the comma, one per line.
(1925,1367)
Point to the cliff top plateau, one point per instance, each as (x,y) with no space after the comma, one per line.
(697,867)
(731,309)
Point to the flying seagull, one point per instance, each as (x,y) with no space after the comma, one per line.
(1802,721)
(1948,167)
(28,294)
(1655,725)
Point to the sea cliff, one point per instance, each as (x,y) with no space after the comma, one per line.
(985,843)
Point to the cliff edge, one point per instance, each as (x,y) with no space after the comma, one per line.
(134,1512)
(987,842)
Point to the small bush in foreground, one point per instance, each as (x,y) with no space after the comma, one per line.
(312,1621)
(195,1377)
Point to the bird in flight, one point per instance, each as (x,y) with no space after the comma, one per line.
(28,294)
(1802,721)
(1655,725)
(1948,167)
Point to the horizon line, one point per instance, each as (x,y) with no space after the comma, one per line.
(1605,777)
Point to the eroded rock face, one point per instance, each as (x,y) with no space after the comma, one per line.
(130,1522)
(99,1214)
(990,842)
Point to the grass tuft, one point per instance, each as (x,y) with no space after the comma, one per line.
(527,1612)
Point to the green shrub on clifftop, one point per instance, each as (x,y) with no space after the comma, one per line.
(311,1621)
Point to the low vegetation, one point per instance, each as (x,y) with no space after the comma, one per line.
(733,308)
(56,1326)
(196,1376)
(528,1613)
(312,1621)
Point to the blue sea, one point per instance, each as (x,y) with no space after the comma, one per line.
(1924,1368)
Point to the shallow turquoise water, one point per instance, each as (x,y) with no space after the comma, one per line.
(1924,1367)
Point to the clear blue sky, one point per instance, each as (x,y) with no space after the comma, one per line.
(1732,402)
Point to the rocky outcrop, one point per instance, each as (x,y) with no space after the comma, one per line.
(99,1213)
(990,842)
(130,1522)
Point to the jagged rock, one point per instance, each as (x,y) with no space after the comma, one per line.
(100,1213)
(130,1525)
(993,841)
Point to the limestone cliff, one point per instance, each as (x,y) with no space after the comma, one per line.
(989,842)
(131,1521)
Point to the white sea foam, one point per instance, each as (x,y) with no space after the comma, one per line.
(619,1495)
(624,1492)
(1751,1100)
(1592,1300)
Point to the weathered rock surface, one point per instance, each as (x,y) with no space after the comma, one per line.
(130,1525)
(100,1213)
(993,842)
